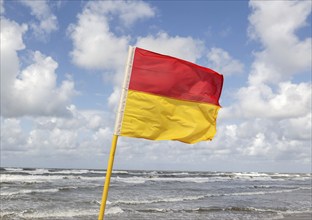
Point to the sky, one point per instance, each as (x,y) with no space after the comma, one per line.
(62,65)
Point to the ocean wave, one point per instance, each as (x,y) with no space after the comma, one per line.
(6,214)
(13,169)
(132,180)
(251,193)
(155,210)
(33,179)
(2,169)
(159,200)
(188,198)
(120,172)
(28,191)
(35,191)
(256,176)
(32,175)
(235,209)
(307,212)
(221,177)
(38,171)
(41,171)
(72,213)
(209,209)
(142,180)
(8,178)
(114,211)
(68,188)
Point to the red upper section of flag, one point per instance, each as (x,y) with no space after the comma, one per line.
(174,78)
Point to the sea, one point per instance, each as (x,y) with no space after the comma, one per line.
(28,193)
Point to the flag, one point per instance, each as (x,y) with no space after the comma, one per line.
(166,98)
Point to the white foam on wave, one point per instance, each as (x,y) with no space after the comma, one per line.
(120,172)
(38,171)
(28,191)
(262,192)
(272,176)
(57,214)
(4,214)
(289,213)
(99,202)
(13,169)
(176,199)
(42,178)
(184,177)
(141,180)
(253,176)
(133,180)
(28,179)
(114,211)
(193,179)
(69,171)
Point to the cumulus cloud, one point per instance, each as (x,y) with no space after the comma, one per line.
(276,112)
(269,93)
(275,24)
(186,48)
(11,39)
(103,49)
(221,61)
(33,90)
(86,133)
(89,119)
(127,12)
(289,100)
(46,21)
(261,139)
(12,135)
(298,128)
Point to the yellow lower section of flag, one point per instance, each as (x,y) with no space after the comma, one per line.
(160,118)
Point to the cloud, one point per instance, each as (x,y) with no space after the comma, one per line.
(270,93)
(85,134)
(12,136)
(128,12)
(33,90)
(262,139)
(182,47)
(11,38)
(46,21)
(103,49)
(275,24)
(289,101)
(222,62)
(273,113)
(89,119)
(298,128)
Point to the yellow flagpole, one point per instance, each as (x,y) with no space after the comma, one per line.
(118,122)
(108,176)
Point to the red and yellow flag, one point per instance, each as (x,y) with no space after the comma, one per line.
(166,98)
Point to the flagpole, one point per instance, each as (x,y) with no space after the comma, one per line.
(118,122)
(108,176)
